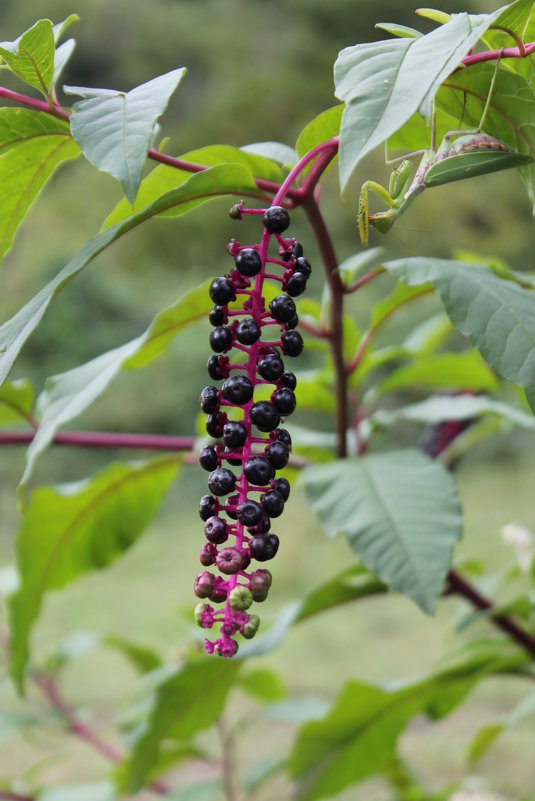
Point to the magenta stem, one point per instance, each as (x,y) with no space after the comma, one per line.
(104,439)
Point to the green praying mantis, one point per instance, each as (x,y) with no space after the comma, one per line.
(462,154)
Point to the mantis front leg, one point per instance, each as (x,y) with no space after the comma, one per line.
(399,180)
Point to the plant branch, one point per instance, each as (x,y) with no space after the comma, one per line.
(49,688)
(105,439)
(227,761)
(9,796)
(493,55)
(363,280)
(460,586)
(330,264)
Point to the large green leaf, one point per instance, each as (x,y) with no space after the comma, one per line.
(188,702)
(220,180)
(351,584)
(358,736)
(384,83)
(497,316)
(465,370)
(32,144)
(16,402)
(69,394)
(115,129)
(71,529)
(400,512)
(511,113)
(31,56)
(323,127)
(164,178)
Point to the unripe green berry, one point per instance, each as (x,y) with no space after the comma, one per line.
(251,627)
(240,598)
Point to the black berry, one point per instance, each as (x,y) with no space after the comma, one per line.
(278,454)
(265,416)
(248,262)
(284,400)
(249,513)
(302,265)
(221,481)
(215,530)
(276,220)
(208,458)
(217,316)
(248,331)
(215,367)
(272,503)
(215,424)
(238,390)
(234,434)
(282,485)
(263,548)
(221,291)
(283,436)
(295,285)
(282,308)
(209,400)
(258,471)
(289,380)
(207,506)
(270,367)
(292,343)
(221,339)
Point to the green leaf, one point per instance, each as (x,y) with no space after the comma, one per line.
(220,180)
(164,178)
(276,151)
(32,145)
(384,83)
(61,59)
(71,529)
(115,129)
(351,584)
(434,14)
(188,702)
(400,295)
(16,403)
(486,736)
(519,19)
(360,263)
(143,659)
(69,394)
(94,791)
(395,29)
(510,116)
(465,370)
(358,736)
(439,408)
(59,29)
(400,512)
(263,684)
(323,127)
(496,315)
(31,56)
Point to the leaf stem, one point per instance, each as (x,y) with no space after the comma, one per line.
(105,439)
(460,586)
(228,761)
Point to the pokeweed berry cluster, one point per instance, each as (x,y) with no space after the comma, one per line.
(237,514)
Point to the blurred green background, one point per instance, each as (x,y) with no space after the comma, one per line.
(257,71)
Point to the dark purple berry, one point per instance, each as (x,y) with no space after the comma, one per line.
(221,481)
(234,434)
(258,471)
(283,436)
(259,584)
(234,461)
(248,331)
(215,367)
(278,454)
(221,339)
(238,390)
(296,250)
(276,220)
(217,316)
(282,308)
(221,291)
(207,506)
(272,503)
(265,416)
(289,380)
(215,530)
(284,400)
(209,400)
(203,584)
(208,458)
(302,265)
(230,561)
(219,592)
(292,343)
(293,322)
(282,485)
(295,285)
(248,262)
(231,504)
(264,547)
(215,424)
(270,367)
(249,513)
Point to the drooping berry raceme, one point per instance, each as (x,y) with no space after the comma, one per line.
(250,444)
